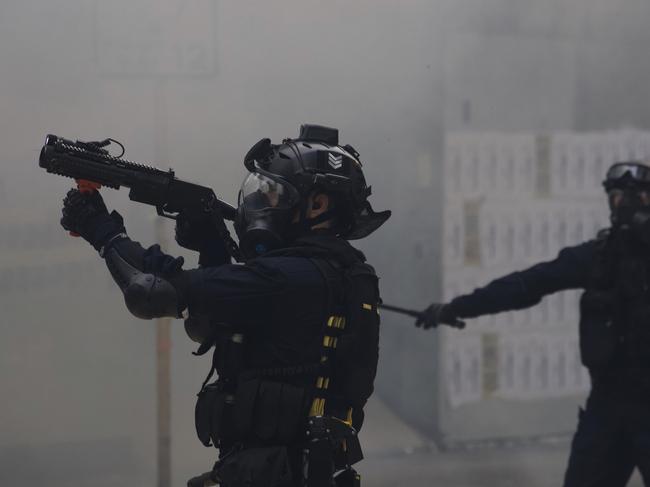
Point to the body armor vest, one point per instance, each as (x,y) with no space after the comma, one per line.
(615,310)
(257,403)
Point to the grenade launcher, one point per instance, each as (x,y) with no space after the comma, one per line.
(92,166)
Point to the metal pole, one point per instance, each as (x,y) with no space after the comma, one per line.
(163,345)
(163,336)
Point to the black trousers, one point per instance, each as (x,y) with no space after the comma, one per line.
(613,437)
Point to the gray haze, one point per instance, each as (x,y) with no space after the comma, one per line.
(192,85)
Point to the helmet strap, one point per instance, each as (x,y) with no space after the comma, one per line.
(305,225)
(323,217)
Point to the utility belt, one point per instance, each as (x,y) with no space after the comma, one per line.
(327,452)
(266,439)
(265,412)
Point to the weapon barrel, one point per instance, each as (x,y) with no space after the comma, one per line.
(80,160)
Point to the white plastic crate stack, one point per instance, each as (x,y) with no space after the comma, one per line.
(513,200)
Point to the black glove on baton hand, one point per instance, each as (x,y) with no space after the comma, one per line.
(436,314)
(87,215)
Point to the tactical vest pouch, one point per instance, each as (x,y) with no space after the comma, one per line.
(245,397)
(208,414)
(271,411)
(256,467)
(598,335)
(266,416)
(292,413)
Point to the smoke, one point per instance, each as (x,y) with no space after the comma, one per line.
(192,85)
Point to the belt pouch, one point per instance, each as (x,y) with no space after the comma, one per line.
(208,408)
(293,411)
(242,417)
(267,410)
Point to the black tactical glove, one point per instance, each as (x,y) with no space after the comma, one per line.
(436,314)
(86,215)
(201,235)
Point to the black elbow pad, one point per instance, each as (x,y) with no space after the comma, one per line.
(147,296)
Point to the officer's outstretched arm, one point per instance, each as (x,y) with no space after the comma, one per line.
(526,288)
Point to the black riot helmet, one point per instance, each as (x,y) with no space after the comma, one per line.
(281,179)
(628,189)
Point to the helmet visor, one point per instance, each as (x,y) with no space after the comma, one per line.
(259,192)
(635,171)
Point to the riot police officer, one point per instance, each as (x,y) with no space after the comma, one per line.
(613,435)
(294,328)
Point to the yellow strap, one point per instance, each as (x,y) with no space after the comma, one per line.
(314,408)
(336,322)
(317,407)
(348,420)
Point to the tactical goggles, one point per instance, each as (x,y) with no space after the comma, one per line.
(633,171)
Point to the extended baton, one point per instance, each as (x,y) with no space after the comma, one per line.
(417,314)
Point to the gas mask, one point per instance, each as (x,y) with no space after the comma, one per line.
(266,207)
(628,192)
(623,204)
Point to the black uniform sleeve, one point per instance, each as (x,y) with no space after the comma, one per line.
(523,289)
(155,285)
(246,295)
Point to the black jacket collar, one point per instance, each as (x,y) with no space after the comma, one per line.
(320,245)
